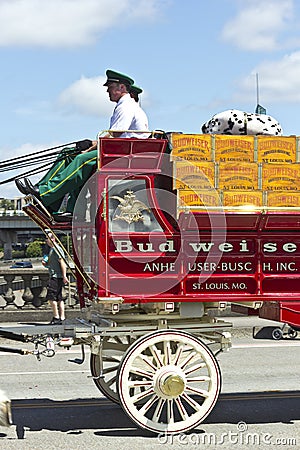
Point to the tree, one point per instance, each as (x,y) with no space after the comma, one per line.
(6,204)
(34,249)
(67,243)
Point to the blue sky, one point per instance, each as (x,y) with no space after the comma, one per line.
(193,59)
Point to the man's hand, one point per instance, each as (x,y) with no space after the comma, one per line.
(82,146)
(92,147)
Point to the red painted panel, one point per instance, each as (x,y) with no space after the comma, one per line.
(281,284)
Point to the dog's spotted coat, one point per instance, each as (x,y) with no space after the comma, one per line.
(237,122)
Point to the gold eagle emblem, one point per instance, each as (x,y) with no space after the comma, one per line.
(130,208)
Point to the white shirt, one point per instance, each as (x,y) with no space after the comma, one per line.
(128,115)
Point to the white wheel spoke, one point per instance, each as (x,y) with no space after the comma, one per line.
(138,397)
(188,359)
(191,402)
(198,379)
(167,352)
(181,409)
(156,355)
(201,392)
(137,383)
(141,372)
(170,411)
(148,404)
(194,368)
(158,410)
(178,353)
(147,361)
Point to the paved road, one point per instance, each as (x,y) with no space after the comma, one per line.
(56,405)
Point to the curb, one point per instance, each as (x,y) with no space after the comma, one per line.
(34,315)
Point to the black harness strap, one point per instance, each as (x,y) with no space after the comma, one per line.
(3,163)
(51,157)
(27,174)
(32,159)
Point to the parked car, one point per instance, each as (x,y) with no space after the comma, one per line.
(22,265)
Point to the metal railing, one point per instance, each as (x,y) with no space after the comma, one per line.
(27,289)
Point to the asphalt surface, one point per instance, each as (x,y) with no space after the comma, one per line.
(56,404)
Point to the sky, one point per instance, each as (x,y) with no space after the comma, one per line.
(192,58)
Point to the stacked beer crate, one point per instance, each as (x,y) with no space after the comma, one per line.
(236,171)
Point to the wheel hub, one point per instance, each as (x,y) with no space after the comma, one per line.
(169,383)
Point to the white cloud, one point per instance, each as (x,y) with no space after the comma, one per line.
(259,24)
(7,154)
(279,81)
(87,96)
(67,23)
(9,190)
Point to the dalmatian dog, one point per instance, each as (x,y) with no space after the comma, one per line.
(5,410)
(237,122)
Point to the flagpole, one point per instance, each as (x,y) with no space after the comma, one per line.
(257,90)
(259,109)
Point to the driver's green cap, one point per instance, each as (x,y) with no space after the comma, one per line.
(117,77)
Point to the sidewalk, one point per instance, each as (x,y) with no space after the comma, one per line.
(34,315)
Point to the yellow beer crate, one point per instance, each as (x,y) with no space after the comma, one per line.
(234,148)
(238,176)
(206,198)
(191,147)
(276,149)
(242,198)
(193,175)
(278,177)
(283,199)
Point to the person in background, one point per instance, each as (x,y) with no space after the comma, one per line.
(128,120)
(135,91)
(57,279)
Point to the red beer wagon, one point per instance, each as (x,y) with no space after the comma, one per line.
(159,246)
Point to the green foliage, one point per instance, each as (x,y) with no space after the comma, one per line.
(6,204)
(18,254)
(67,243)
(34,250)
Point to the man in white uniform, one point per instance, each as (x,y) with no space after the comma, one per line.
(127,115)
(70,177)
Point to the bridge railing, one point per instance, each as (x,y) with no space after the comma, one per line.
(11,212)
(27,289)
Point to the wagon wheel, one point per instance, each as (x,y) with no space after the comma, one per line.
(277,334)
(292,333)
(168,381)
(113,349)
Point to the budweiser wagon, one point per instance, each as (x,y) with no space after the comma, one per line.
(168,231)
